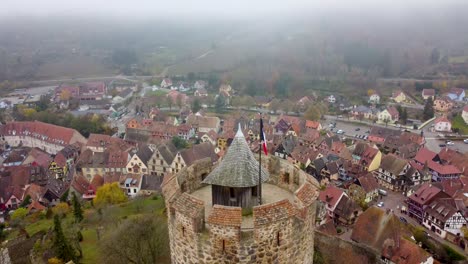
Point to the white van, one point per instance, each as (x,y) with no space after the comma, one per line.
(382,192)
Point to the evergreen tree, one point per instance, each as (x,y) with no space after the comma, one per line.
(62,248)
(77,211)
(428,112)
(404,116)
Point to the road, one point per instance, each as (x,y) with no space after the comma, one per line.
(432,140)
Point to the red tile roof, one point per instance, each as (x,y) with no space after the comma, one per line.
(425,193)
(47,132)
(442,119)
(312,124)
(331,196)
(428,92)
(424,155)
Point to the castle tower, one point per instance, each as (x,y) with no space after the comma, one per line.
(215,217)
(235,181)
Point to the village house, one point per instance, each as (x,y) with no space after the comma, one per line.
(226,90)
(346,211)
(456,94)
(131,184)
(442,124)
(166,83)
(428,93)
(465,114)
(210,137)
(200,92)
(200,84)
(439,170)
(49,138)
(331,196)
(362,112)
(285,147)
(419,201)
(100,143)
(303,103)
(138,163)
(367,156)
(187,157)
(331,99)
(442,217)
(204,123)
(163,156)
(374,98)
(177,97)
(443,104)
(396,174)
(388,115)
(310,124)
(399,97)
(378,135)
(123,96)
(364,189)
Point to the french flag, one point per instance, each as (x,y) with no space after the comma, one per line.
(263,138)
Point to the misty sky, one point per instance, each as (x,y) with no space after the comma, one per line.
(218,8)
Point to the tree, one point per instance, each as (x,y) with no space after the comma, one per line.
(404,116)
(26,201)
(61,209)
(275,105)
(196,106)
(109,193)
(428,111)
(137,240)
(19,214)
(251,89)
(61,246)
(312,113)
(64,196)
(65,95)
(219,103)
(179,143)
(179,100)
(170,103)
(77,211)
(2,232)
(282,86)
(158,100)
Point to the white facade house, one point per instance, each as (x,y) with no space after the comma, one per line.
(465,114)
(331,99)
(442,218)
(131,184)
(166,83)
(374,99)
(442,124)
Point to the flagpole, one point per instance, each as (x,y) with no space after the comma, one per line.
(259,195)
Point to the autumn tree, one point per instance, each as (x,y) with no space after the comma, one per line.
(274,105)
(61,209)
(179,100)
(65,95)
(312,113)
(137,240)
(109,193)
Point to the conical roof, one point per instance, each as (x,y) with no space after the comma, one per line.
(239,168)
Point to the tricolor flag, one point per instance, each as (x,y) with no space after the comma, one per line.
(262,137)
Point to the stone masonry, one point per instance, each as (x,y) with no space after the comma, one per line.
(283,231)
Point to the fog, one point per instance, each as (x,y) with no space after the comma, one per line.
(212,8)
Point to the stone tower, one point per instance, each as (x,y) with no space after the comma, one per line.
(213,215)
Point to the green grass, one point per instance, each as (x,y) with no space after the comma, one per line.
(459,123)
(41,225)
(110,218)
(156,93)
(89,246)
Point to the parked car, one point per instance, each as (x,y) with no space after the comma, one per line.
(380,204)
(449,143)
(402,219)
(442,145)
(368,132)
(357,129)
(465,141)
(382,192)
(340,132)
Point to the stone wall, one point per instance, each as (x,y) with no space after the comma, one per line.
(283,232)
(335,250)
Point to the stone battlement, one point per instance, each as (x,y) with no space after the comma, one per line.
(281,230)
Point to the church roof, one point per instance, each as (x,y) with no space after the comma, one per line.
(239,168)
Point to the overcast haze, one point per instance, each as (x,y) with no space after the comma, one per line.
(218,8)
